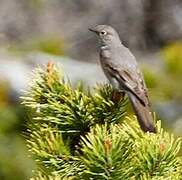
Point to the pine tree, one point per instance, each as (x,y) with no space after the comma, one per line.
(80,134)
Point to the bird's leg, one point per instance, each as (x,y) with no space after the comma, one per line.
(117,95)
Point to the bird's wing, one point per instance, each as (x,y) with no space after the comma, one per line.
(132,81)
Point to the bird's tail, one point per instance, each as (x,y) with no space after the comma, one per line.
(143,114)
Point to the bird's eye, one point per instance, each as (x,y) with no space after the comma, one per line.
(103,32)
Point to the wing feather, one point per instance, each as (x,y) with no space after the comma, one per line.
(130,82)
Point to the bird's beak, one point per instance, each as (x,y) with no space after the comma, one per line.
(93,30)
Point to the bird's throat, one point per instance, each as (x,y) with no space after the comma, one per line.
(105,52)
(104,47)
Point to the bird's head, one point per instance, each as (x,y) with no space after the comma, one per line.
(107,35)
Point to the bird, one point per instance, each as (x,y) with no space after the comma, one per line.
(121,69)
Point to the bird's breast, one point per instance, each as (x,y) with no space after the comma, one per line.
(105,53)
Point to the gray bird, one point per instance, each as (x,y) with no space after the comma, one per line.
(121,69)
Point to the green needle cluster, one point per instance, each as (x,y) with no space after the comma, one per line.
(82,134)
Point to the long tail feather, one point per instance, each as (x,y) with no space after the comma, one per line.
(143,114)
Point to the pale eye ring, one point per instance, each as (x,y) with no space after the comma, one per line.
(103,32)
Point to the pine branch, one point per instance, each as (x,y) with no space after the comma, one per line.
(106,153)
(51,153)
(76,134)
(156,155)
(104,107)
(72,110)
(126,152)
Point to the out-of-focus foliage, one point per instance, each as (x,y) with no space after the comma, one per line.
(150,77)
(51,44)
(4,89)
(14,161)
(173,58)
(166,82)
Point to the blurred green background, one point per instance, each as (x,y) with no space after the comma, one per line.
(33,32)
